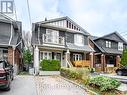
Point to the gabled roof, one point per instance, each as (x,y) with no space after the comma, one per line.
(63,18)
(108,36)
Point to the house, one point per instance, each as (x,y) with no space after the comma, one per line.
(61,39)
(108,50)
(11,41)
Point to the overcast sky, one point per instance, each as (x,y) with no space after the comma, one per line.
(98,17)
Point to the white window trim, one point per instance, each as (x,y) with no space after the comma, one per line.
(120,46)
(77,55)
(54,35)
(79,40)
(43,52)
(108,44)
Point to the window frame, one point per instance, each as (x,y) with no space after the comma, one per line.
(120,46)
(108,44)
(79,39)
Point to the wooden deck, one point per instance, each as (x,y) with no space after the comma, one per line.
(81,63)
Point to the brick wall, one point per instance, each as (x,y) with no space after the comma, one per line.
(10,56)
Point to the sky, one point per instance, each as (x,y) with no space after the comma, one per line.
(98,17)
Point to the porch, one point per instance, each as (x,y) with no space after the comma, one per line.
(106,62)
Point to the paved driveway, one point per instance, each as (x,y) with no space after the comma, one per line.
(21,85)
(54,85)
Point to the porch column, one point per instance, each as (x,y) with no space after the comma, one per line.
(117,60)
(36,60)
(91,60)
(103,65)
(67,57)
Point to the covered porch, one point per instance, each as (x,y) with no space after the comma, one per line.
(106,62)
(79,56)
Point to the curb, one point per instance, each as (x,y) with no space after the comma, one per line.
(81,86)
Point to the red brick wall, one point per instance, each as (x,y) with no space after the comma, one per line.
(10,56)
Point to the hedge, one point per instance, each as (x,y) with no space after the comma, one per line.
(50,65)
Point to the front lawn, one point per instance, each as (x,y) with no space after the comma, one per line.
(99,84)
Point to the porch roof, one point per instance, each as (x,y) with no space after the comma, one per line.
(79,48)
(111,51)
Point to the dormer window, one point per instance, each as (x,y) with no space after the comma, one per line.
(108,44)
(120,46)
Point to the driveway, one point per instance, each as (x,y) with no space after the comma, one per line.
(21,85)
(42,85)
(55,85)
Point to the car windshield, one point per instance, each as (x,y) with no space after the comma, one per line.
(1,64)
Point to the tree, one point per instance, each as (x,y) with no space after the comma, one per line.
(27,57)
(124,58)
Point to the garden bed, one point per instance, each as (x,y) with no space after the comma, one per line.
(82,77)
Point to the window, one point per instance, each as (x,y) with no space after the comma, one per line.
(108,44)
(47,55)
(79,39)
(69,24)
(52,36)
(120,46)
(77,57)
(3,54)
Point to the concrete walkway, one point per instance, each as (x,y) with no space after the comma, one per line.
(21,85)
(55,85)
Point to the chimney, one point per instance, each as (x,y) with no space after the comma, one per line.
(45,18)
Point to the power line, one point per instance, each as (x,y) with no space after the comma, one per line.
(29,12)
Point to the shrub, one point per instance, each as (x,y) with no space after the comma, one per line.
(124,58)
(104,83)
(50,65)
(76,73)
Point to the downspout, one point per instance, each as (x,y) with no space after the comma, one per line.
(13,55)
(39,34)
(11,34)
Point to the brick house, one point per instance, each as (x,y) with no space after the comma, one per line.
(61,39)
(108,50)
(11,41)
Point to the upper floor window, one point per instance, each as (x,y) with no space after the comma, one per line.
(120,46)
(108,44)
(79,39)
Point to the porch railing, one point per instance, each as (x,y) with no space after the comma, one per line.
(53,40)
(110,69)
(82,63)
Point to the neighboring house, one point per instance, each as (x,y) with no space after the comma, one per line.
(60,39)
(108,50)
(11,41)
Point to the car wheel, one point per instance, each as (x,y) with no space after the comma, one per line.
(8,88)
(119,73)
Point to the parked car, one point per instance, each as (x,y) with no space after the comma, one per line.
(122,71)
(6,75)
